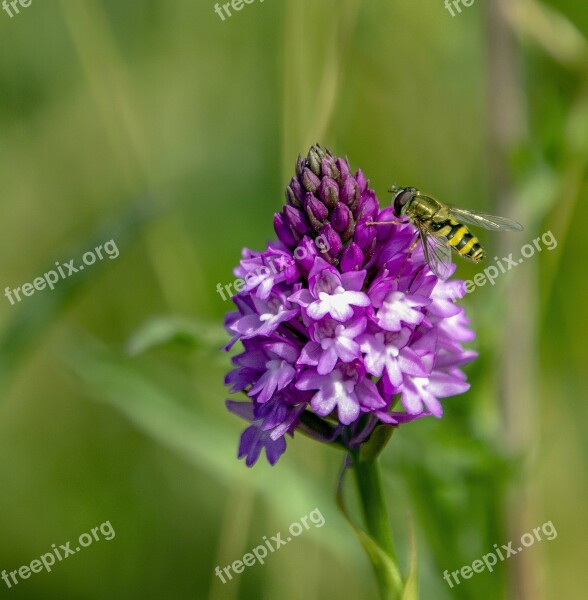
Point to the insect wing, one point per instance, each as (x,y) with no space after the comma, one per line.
(437,253)
(492,222)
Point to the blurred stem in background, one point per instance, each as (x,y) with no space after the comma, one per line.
(508,132)
(313,72)
(237,518)
(509,106)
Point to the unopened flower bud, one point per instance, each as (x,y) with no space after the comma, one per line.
(332,238)
(296,219)
(305,253)
(329,192)
(350,193)
(314,158)
(300,165)
(316,211)
(341,217)
(368,206)
(364,235)
(310,181)
(351,259)
(295,193)
(283,231)
(343,167)
(329,168)
(362,182)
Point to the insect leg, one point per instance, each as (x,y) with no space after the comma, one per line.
(386,222)
(408,255)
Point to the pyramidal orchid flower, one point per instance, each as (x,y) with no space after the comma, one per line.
(346,332)
(337,318)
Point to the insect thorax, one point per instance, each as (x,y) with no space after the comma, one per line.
(424,208)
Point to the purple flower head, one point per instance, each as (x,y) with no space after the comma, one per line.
(343,327)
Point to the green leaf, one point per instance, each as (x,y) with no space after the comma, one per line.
(162,330)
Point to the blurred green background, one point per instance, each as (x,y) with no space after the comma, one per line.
(174,133)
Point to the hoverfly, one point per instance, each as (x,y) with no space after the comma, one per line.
(441,228)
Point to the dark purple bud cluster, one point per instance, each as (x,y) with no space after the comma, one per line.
(325,199)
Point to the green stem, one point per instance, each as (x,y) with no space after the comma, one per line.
(373,505)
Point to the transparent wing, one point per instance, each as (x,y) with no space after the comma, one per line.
(471,217)
(437,252)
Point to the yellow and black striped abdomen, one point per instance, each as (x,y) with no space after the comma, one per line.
(460,239)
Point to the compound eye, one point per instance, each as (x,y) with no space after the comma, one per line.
(400,200)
